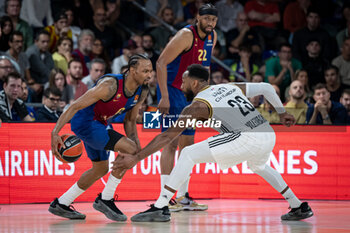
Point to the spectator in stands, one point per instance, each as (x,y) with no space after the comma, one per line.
(83,53)
(83,12)
(312,30)
(343,34)
(325,111)
(157,7)
(296,105)
(138,40)
(268,111)
(11,107)
(128,50)
(26,98)
(217,77)
(41,62)
(331,75)
(343,63)
(303,77)
(280,70)
(98,51)
(228,11)
(191,10)
(63,54)
(148,47)
(294,16)
(49,112)
(257,78)
(263,17)
(244,66)
(6,30)
(97,69)
(161,34)
(74,29)
(242,35)
(37,13)
(345,101)
(109,37)
(58,80)
(16,53)
(13,9)
(58,29)
(314,63)
(74,77)
(6,67)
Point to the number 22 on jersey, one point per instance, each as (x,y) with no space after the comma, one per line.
(202,55)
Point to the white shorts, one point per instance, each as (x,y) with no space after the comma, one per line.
(229,149)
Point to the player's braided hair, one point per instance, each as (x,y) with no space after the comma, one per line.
(134,60)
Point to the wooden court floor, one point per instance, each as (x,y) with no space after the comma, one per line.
(223,215)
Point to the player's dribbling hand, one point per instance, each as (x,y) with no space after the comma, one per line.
(124,161)
(55,141)
(164,106)
(287,119)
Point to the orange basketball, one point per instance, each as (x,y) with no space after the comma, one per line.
(73,150)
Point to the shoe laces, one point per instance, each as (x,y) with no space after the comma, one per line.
(172,202)
(188,197)
(115,198)
(72,208)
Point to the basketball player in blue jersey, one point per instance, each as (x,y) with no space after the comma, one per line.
(191,45)
(244,135)
(112,95)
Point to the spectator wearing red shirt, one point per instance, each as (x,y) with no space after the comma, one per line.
(294,17)
(263,17)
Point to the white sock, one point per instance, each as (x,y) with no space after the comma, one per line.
(293,201)
(109,190)
(70,195)
(163,180)
(183,188)
(164,198)
(275,180)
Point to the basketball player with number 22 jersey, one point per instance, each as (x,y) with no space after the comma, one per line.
(191,45)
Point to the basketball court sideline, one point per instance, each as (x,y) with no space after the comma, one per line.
(223,215)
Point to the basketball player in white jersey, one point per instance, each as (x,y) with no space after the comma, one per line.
(244,136)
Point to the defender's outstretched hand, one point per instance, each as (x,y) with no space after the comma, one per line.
(124,161)
(287,119)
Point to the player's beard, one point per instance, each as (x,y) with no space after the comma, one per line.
(203,29)
(189,95)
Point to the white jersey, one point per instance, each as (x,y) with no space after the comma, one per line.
(229,105)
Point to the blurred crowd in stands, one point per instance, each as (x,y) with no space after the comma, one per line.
(53,51)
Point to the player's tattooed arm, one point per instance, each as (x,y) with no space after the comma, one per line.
(131,116)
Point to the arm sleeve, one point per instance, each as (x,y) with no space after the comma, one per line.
(265,89)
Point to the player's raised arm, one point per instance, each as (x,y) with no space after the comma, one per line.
(181,42)
(265,89)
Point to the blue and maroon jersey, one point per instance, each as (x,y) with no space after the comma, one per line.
(118,104)
(199,53)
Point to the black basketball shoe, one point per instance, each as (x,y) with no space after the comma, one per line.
(302,212)
(109,209)
(65,211)
(153,214)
